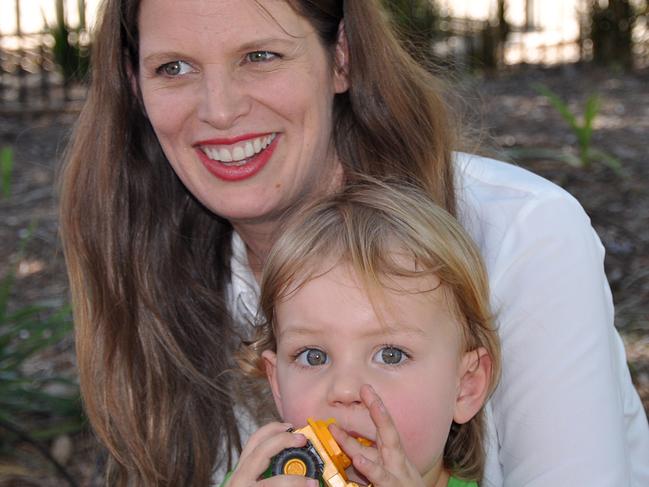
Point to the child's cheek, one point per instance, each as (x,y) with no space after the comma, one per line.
(423,430)
(298,402)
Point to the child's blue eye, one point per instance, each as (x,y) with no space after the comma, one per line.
(390,356)
(260,56)
(174,68)
(312,357)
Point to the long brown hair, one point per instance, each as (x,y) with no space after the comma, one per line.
(395,120)
(364,226)
(149,265)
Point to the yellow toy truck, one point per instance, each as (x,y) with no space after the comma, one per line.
(321,458)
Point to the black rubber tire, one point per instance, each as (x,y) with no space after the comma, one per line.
(303,454)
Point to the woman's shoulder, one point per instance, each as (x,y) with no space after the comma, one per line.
(503,205)
(491,179)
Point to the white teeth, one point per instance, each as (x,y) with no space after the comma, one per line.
(224,155)
(238,154)
(249,151)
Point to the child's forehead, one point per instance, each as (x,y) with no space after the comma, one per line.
(381,305)
(401,277)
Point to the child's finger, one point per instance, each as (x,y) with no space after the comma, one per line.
(377,475)
(261,435)
(380,475)
(288,481)
(350,445)
(387,434)
(257,459)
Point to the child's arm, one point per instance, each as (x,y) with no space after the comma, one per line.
(386,464)
(264,444)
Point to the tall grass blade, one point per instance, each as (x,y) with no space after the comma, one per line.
(6,170)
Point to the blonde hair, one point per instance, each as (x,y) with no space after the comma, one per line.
(366,226)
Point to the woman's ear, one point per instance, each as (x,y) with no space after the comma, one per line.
(135,88)
(132,78)
(270,363)
(341,60)
(473,385)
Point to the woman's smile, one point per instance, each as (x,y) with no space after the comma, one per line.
(237,159)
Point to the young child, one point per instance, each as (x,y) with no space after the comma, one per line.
(377,315)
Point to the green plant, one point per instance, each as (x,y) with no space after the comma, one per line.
(71,57)
(6,170)
(43,403)
(583,129)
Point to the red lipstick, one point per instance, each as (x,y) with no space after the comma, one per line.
(227,172)
(230,140)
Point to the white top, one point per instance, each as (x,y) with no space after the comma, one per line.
(565,412)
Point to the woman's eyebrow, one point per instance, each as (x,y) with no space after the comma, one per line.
(255,45)
(264,43)
(160,57)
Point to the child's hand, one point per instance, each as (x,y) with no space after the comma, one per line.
(385,464)
(263,445)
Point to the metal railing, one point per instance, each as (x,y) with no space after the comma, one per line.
(30,79)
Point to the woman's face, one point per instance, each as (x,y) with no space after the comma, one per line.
(240,95)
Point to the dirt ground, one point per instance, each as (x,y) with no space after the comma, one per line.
(513,114)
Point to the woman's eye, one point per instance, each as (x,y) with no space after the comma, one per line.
(312,357)
(390,356)
(260,56)
(174,68)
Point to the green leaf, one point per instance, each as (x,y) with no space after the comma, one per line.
(609,161)
(527,153)
(28,399)
(592,109)
(560,106)
(60,428)
(6,170)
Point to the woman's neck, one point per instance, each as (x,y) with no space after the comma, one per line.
(259,236)
(259,239)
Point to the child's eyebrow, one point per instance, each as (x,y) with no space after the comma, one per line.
(383,330)
(299,331)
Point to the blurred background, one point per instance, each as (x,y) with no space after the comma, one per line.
(558,86)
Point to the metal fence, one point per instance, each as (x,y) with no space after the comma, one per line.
(30,80)
(462,41)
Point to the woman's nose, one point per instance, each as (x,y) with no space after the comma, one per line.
(223,99)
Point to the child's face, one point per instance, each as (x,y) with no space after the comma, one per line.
(330,341)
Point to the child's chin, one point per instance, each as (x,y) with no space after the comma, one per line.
(355,476)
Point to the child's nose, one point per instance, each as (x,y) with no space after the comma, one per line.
(344,389)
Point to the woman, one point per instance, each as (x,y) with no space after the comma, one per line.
(208,119)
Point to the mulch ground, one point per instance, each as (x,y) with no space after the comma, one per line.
(514,115)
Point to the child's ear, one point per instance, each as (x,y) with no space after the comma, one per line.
(473,386)
(270,362)
(341,60)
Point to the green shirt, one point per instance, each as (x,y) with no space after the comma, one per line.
(452,482)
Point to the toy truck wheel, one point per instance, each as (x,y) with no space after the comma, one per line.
(296,461)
